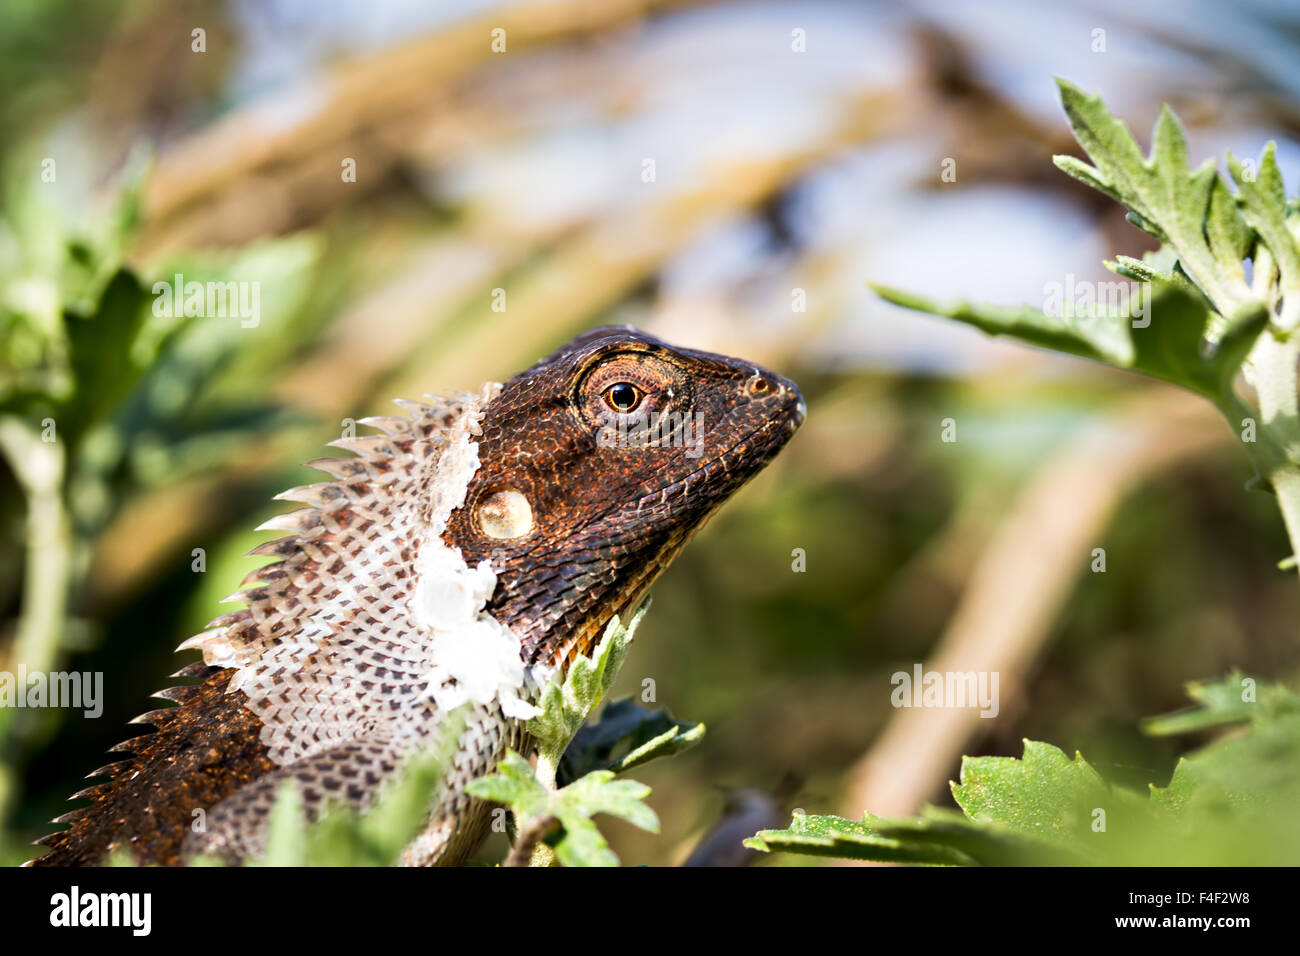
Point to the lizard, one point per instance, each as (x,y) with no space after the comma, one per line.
(466,554)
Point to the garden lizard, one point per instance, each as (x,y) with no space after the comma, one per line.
(465,555)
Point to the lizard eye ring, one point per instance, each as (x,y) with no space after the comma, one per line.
(623,397)
(623,385)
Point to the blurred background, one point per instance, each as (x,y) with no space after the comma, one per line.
(728,176)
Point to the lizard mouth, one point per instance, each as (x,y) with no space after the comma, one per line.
(768,439)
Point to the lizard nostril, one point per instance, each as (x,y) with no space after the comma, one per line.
(759,386)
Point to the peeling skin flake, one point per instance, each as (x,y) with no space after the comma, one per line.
(422,630)
(450,594)
(475,656)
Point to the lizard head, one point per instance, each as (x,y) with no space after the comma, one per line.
(597,465)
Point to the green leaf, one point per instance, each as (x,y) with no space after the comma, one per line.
(626,736)
(514,785)
(1150,228)
(1234,699)
(402,808)
(1139,270)
(1081,171)
(1156,265)
(935,837)
(630,737)
(1175,347)
(1107,142)
(565,707)
(599,792)
(100,351)
(1087,336)
(1264,206)
(1231,803)
(286,830)
(342,836)
(987,843)
(580,842)
(832,836)
(1225,230)
(1044,793)
(1166,197)
(1171,346)
(1035,811)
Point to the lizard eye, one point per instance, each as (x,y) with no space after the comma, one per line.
(625,385)
(623,397)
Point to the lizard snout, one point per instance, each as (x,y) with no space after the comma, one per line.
(777,390)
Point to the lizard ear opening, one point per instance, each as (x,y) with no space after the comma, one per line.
(504,514)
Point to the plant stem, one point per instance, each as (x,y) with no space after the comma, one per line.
(38,466)
(547,765)
(530,838)
(1272,370)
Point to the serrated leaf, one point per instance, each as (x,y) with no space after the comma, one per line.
(1264,208)
(1144,224)
(1232,700)
(1087,336)
(832,836)
(986,843)
(580,842)
(1166,198)
(1230,803)
(1170,346)
(513,784)
(1174,346)
(1038,810)
(672,741)
(626,736)
(599,792)
(1043,793)
(565,707)
(1233,802)
(935,837)
(1227,232)
(1114,152)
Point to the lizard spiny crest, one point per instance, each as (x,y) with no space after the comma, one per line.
(370,625)
(467,554)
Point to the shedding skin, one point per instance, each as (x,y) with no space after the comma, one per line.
(576,506)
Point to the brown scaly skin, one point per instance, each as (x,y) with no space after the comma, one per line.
(607,520)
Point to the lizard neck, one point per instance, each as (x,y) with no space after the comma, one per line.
(559,601)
